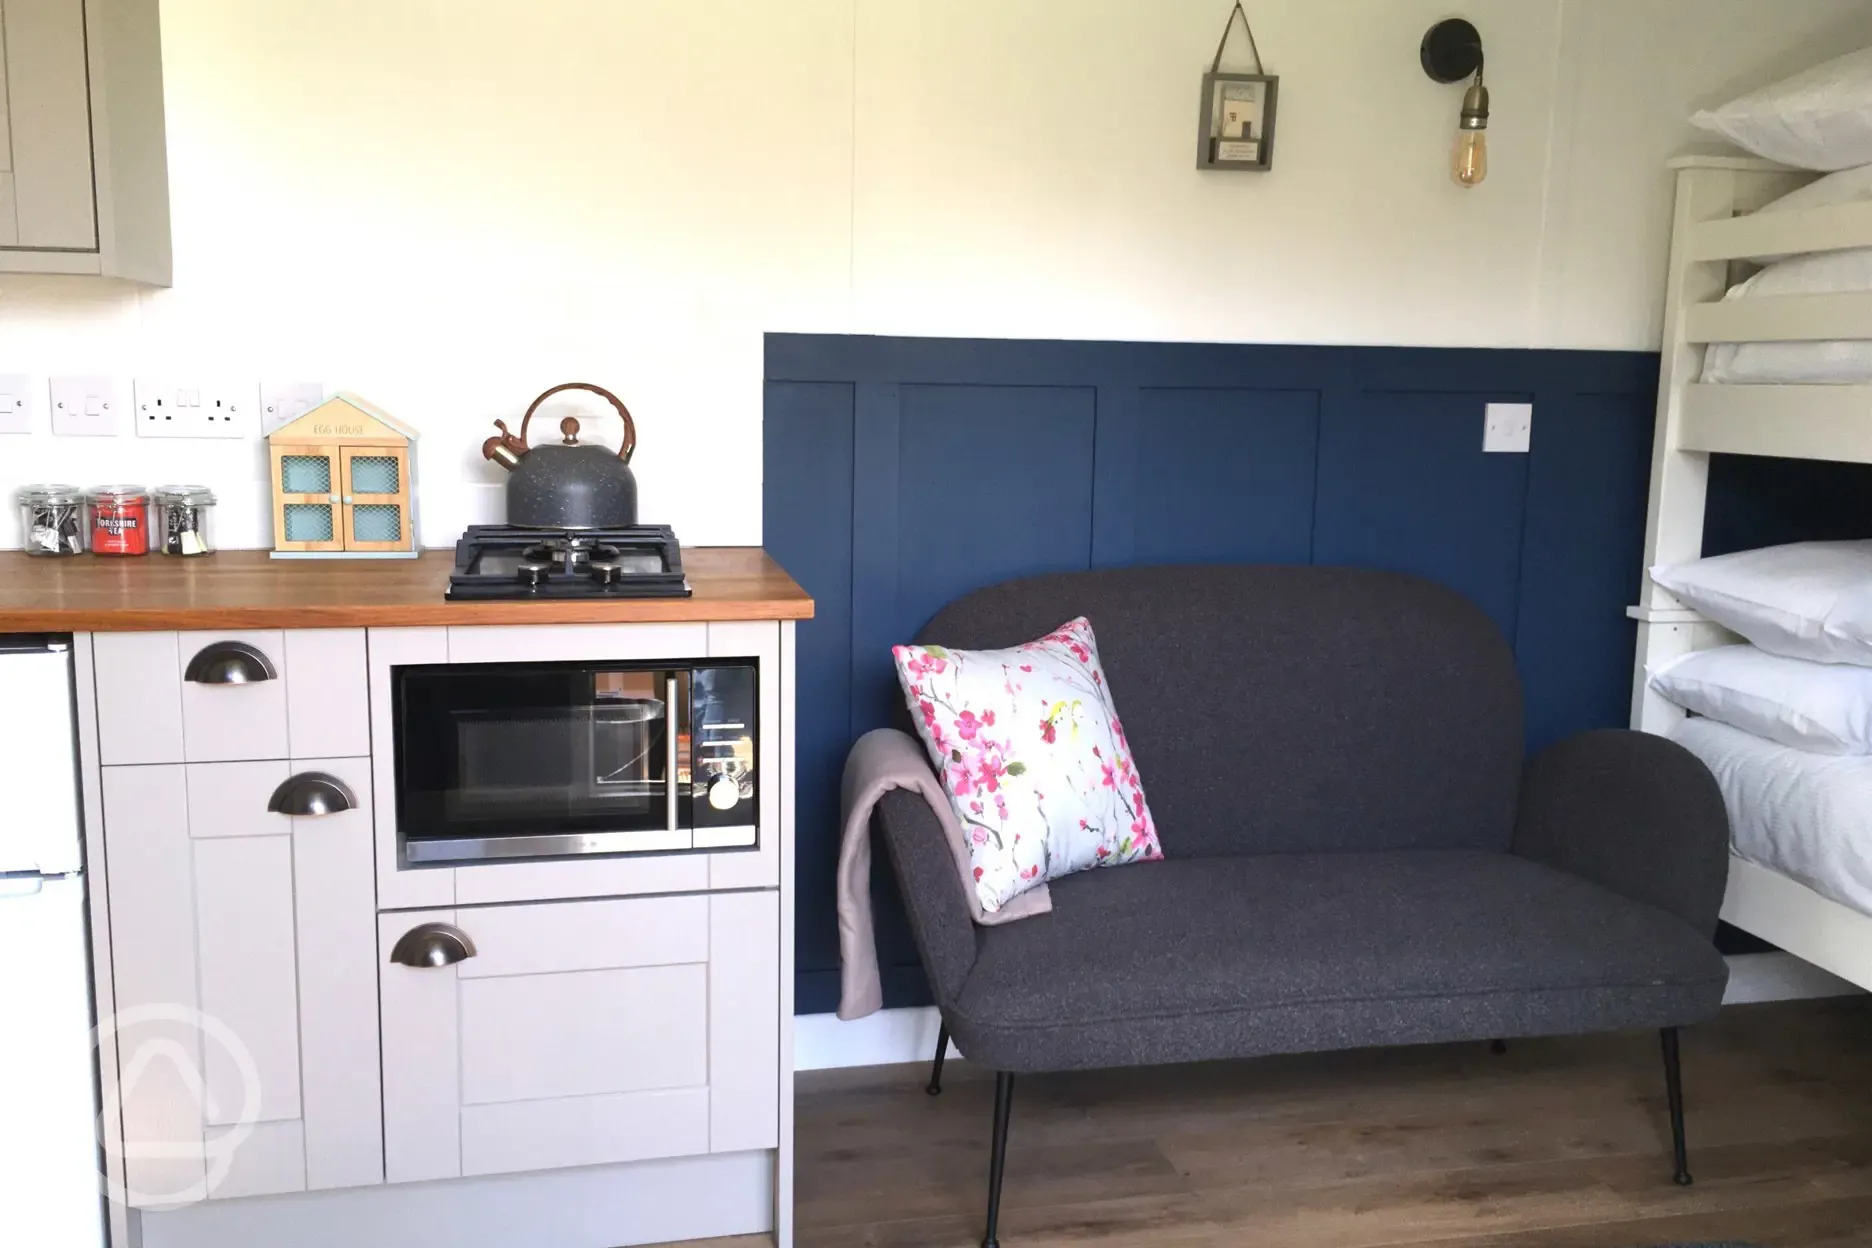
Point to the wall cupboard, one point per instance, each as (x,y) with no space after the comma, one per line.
(84,185)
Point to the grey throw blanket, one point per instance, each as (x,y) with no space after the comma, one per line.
(881,760)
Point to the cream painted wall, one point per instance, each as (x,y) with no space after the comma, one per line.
(448,205)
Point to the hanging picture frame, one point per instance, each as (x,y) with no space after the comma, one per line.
(1235,128)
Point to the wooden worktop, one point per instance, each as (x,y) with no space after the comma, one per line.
(246,589)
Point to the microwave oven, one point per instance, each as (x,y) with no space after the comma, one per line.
(501,761)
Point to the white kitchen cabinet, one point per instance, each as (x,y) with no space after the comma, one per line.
(582,1033)
(245,962)
(623,1016)
(83,169)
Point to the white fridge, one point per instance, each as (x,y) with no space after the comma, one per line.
(50,1190)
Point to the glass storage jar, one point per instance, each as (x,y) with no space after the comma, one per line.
(183,515)
(120,517)
(52,519)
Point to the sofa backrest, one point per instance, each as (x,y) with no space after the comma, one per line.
(1289,709)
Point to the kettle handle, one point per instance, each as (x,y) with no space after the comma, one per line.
(630,426)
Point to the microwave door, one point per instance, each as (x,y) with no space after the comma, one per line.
(512,762)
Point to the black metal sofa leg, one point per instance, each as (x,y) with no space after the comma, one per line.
(1004,1099)
(1673,1082)
(934,1087)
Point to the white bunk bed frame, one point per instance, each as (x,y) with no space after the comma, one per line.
(1710,231)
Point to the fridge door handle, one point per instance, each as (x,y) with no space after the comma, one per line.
(20,884)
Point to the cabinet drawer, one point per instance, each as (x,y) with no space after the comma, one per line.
(579,1033)
(231,696)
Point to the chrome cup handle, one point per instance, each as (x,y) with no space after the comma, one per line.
(430,945)
(229,663)
(311,793)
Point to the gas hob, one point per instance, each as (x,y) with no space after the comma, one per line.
(502,561)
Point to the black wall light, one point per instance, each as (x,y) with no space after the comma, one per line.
(1451,52)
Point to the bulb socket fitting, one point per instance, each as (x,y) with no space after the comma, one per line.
(1475,108)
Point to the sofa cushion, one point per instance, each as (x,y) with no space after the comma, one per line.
(1033,757)
(1185,960)
(1290,709)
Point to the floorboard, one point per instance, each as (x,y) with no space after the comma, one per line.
(1557,1143)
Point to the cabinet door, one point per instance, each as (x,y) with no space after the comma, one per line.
(580,1033)
(376,498)
(45,136)
(244,949)
(9,217)
(306,498)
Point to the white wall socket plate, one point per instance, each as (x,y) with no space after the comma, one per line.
(281,401)
(168,409)
(87,407)
(1508,428)
(16,404)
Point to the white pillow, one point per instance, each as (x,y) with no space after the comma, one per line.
(1810,600)
(1818,119)
(1848,186)
(1822,707)
(1834,362)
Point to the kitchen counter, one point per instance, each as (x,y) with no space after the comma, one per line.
(247,589)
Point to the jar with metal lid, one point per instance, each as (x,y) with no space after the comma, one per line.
(52,519)
(183,513)
(120,516)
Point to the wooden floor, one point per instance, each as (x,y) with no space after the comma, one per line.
(1557,1143)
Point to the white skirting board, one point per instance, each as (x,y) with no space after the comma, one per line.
(596,1207)
(822,1042)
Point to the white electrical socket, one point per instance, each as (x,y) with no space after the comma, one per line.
(86,407)
(190,410)
(16,405)
(1508,428)
(281,401)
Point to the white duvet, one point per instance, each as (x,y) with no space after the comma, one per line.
(1805,815)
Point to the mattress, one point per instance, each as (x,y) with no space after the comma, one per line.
(1808,816)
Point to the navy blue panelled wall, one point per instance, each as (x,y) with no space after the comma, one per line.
(903,472)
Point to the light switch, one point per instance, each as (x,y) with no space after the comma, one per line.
(16,405)
(86,407)
(281,401)
(1508,428)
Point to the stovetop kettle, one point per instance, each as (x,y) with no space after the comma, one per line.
(569,484)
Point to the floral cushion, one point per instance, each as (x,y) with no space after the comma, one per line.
(1033,758)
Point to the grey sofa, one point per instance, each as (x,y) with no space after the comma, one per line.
(1357,851)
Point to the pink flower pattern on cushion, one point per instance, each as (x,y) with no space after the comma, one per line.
(1033,757)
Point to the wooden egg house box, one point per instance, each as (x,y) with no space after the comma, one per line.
(341,484)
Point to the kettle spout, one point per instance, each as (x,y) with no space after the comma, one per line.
(504,449)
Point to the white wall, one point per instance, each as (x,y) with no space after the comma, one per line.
(448,205)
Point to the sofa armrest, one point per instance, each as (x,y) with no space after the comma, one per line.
(1632,812)
(926,876)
